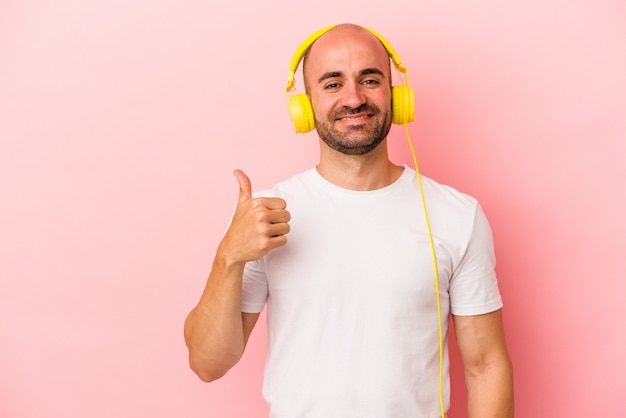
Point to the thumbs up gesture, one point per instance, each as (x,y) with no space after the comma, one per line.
(258,226)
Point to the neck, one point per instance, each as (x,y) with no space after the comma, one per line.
(358,172)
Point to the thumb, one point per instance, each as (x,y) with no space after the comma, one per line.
(245,188)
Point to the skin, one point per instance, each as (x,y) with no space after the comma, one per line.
(349,82)
(348,79)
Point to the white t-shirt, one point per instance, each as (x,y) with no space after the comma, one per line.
(351,306)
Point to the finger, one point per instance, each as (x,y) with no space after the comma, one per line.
(273,203)
(278,241)
(245,187)
(278,216)
(276,230)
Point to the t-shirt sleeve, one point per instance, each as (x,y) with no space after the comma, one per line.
(255,288)
(473,286)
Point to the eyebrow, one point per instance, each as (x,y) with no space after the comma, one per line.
(335,74)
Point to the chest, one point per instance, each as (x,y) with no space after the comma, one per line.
(354,250)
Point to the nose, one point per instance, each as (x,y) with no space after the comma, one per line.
(352,95)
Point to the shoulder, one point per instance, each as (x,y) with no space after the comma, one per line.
(443,197)
(452,212)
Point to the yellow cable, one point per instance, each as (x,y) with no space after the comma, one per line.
(436,271)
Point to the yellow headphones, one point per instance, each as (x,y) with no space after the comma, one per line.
(402,99)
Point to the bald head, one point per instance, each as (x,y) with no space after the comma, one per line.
(346,34)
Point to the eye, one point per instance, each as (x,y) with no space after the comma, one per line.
(331,86)
(370,81)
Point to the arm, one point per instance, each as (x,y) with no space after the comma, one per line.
(216,331)
(487,366)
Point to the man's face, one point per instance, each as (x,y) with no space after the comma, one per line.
(349,81)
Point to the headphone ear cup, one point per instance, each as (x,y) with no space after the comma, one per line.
(403,104)
(301,113)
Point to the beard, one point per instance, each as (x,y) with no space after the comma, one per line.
(359,139)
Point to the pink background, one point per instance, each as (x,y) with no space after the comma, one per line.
(121,123)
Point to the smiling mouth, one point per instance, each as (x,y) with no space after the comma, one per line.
(354,118)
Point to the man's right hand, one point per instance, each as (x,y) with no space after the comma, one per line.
(258,226)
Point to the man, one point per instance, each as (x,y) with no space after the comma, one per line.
(352,312)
